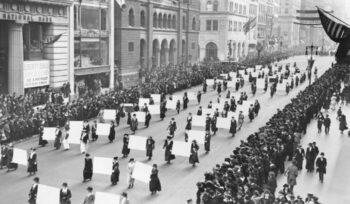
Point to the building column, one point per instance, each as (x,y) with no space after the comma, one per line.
(149,41)
(15,59)
(111,45)
(71,52)
(166,57)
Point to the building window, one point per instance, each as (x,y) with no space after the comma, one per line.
(131,47)
(286,11)
(33,35)
(165,21)
(236,7)
(155,20)
(184,26)
(209,6)
(131,18)
(143,19)
(215,25)
(194,24)
(230,26)
(92,18)
(169,22)
(239,26)
(89,52)
(235,26)
(244,10)
(240,9)
(174,21)
(193,46)
(160,20)
(211,51)
(231,6)
(216,6)
(208,25)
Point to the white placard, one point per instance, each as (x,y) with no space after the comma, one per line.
(196,135)
(219,106)
(143,101)
(281,86)
(103,129)
(20,156)
(65,100)
(156,98)
(103,165)
(233,74)
(49,133)
(224,123)
(219,80)
(206,111)
(210,82)
(225,76)
(250,70)
(198,121)
(258,67)
(231,114)
(241,72)
(154,109)
(181,149)
(292,70)
(176,98)
(75,129)
(137,143)
(231,84)
(260,83)
(192,96)
(47,194)
(246,77)
(142,172)
(109,114)
(141,116)
(266,70)
(244,108)
(106,198)
(127,105)
(255,74)
(171,105)
(36,73)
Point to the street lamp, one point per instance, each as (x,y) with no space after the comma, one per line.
(311,61)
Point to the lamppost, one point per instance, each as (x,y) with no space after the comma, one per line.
(311,60)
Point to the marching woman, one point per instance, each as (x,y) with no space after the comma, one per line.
(172,127)
(33,191)
(9,155)
(125,150)
(154,184)
(205,86)
(287,88)
(207,139)
(233,127)
(115,172)
(240,120)
(130,180)
(94,136)
(256,107)
(32,162)
(219,88)
(178,104)
(185,101)
(148,118)
(65,194)
(207,123)
(134,123)
(342,123)
(150,144)
(42,142)
(111,135)
(65,141)
(162,110)
(58,138)
(251,113)
(194,153)
(199,97)
(84,142)
(213,124)
(188,125)
(168,146)
(88,170)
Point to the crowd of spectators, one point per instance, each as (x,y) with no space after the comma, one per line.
(248,175)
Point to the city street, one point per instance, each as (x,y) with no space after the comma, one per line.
(179,178)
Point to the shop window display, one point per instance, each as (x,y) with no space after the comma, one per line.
(90,52)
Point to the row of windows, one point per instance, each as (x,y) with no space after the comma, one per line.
(212,25)
(235,26)
(160,20)
(132,49)
(233,7)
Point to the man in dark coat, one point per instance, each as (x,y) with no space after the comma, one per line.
(88,168)
(299,157)
(321,164)
(33,191)
(327,124)
(233,127)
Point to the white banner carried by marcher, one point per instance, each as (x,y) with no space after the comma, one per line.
(109,114)
(143,101)
(197,135)
(20,156)
(260,83)
(154,109)
(106,198)
(198,121)
(137,143)
(75,130)
(47,195)
(181,149)
(141,116)
(49,133)
(103,165)
(103,129)
(224,123)
(142,172)
(171,105)
(210,82)
(192,96)
(156,98)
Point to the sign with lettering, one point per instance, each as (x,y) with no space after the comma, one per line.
(25,17)
(36,73)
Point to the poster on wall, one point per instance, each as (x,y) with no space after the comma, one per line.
(36,73)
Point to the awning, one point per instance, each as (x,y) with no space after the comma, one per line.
(91,70)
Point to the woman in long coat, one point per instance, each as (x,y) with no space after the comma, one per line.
(189,122)
(185,101)
(32,162)
(130,180)
(207,139)
(88,168)
(115,172)
(111,135)
(213,125)
(134,123)
(154,184)
(342,123)
(256,107)
(149,147)
(125,150)
(65,194)
(233,127)
(58,138)
(148,118)
(42,142)
(168,146)
(84,142)
(194,153)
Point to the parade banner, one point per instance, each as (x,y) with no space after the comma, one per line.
(241,72)
(171,105)
(231,84)
(192,96)
(106,198)
(255,74)
(156,98)
(181,149)
(47,194)
(154,109)
(103,129)
(232,74)
(20,156)
(137,143)
(219,81)
(109,114)
(219,106)
(197,135)
(198,121)
(176,98)
(210,82)
(244,108)
(224,123)
(231,114)
(142,172)
(143,101)
(103,165)
(209,111)
(225,76)
(260,83)
(266,70)
(75,129)
(281,86)
(49,133)
(246,78)
(141,116)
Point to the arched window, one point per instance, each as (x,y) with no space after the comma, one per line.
(211,51)
(165,21)
(209,6)
(216,5)
(155,20)
(160,20)
(194,24)
(143,19)
(169,21)
(174,21)
(184,22)
(131,18)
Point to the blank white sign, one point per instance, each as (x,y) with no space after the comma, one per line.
(106,198)
(196,135)
(103,165)
(224,123)
(225,76)
(48,194)
(103,129)
(231,114)
(20,156)
(142,172)
(177,98)
(198,121)
(219,106)
(154,109)
(49,133)
(141,116)
(206,111)
(75,129)
(181,149)
(171,105)
(156,98)
(232,74)
(109,114)
(210,82)
(143,101)
(281,86)
(232,84)
(260,83)
(137,143)
(192,96)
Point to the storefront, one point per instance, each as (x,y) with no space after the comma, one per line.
(26,59)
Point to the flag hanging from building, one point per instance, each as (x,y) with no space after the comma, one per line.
(337,30)
(249,25)
(52,39)
(121,3)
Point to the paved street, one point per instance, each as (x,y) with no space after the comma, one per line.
(179,178)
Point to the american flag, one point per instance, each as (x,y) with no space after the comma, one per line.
(335,29)
(249,25)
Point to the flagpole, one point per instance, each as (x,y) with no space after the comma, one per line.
(333,16)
